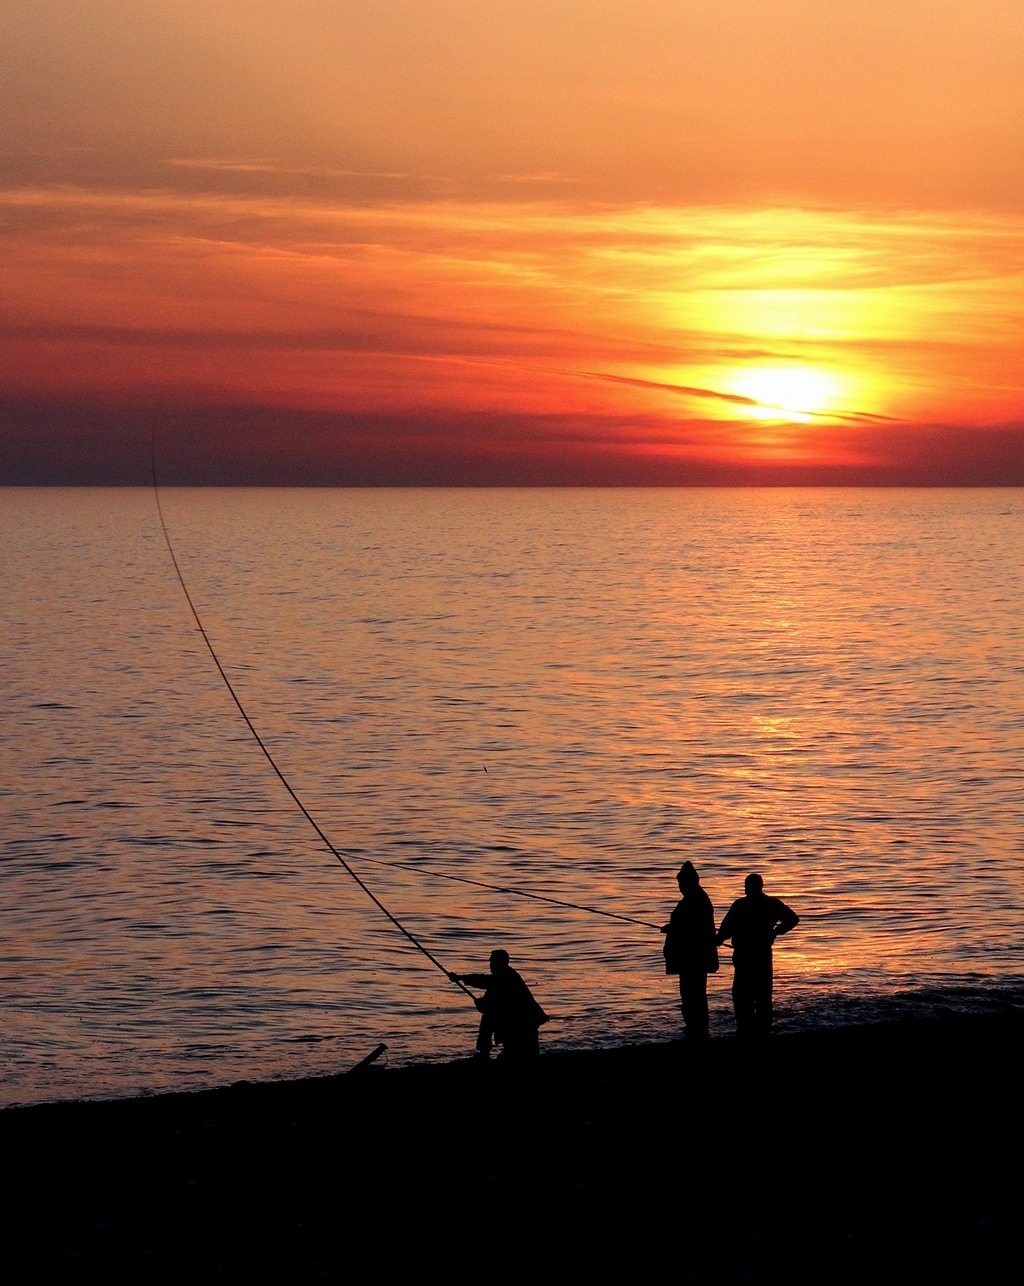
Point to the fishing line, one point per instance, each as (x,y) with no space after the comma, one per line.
(501,888)
(259,740)
(377,861)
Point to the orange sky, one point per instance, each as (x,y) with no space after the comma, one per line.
(629,241)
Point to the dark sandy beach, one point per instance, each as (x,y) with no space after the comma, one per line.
(873,1153)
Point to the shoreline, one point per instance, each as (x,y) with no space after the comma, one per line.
(796,1013)
(826,1155)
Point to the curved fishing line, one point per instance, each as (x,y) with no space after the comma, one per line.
(502,888)
(260,742)
(377,861)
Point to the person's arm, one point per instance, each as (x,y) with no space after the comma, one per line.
(481,980)
(787,919)
(725,931)
(673,920)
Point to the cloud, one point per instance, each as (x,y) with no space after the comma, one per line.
(785,101)
(262,166)
(732,399)
(637,325)
(546,176)
(78,443)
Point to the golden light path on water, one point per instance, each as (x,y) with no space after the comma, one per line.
(822,685)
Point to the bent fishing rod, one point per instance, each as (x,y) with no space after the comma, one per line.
(338,853)
(266,752)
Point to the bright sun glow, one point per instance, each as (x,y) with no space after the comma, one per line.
(797,392)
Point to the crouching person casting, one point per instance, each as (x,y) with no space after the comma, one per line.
(509,1014)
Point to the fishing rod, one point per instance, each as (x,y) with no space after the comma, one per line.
(338,854)
(262,745)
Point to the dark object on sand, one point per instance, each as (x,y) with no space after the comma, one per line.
(509,1013)
(691,950)
(369,1060)
(754,922)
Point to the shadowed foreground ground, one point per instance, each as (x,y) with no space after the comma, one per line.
(887,1153)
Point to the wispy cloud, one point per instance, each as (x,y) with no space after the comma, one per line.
(262,166)
(639,326)
(543,177)
(733,399)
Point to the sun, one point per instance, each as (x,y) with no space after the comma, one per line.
(800,393)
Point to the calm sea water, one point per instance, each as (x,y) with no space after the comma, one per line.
(571,691)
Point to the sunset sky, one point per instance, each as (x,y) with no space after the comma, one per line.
(460,241)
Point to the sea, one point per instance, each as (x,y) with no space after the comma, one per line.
(563,693)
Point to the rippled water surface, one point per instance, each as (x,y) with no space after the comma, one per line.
(569,691)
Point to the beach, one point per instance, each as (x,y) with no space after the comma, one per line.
(888,1152)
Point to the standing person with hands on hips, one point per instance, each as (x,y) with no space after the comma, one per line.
(753,922)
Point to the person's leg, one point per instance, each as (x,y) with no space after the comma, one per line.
(763,999)
(743,1002)
(484,1036)
(693,996)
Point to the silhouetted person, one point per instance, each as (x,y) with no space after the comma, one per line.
(691,950)
(754,922)
(509,1013)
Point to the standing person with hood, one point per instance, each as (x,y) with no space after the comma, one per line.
(691,951)
(509,1013)
(754,922)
